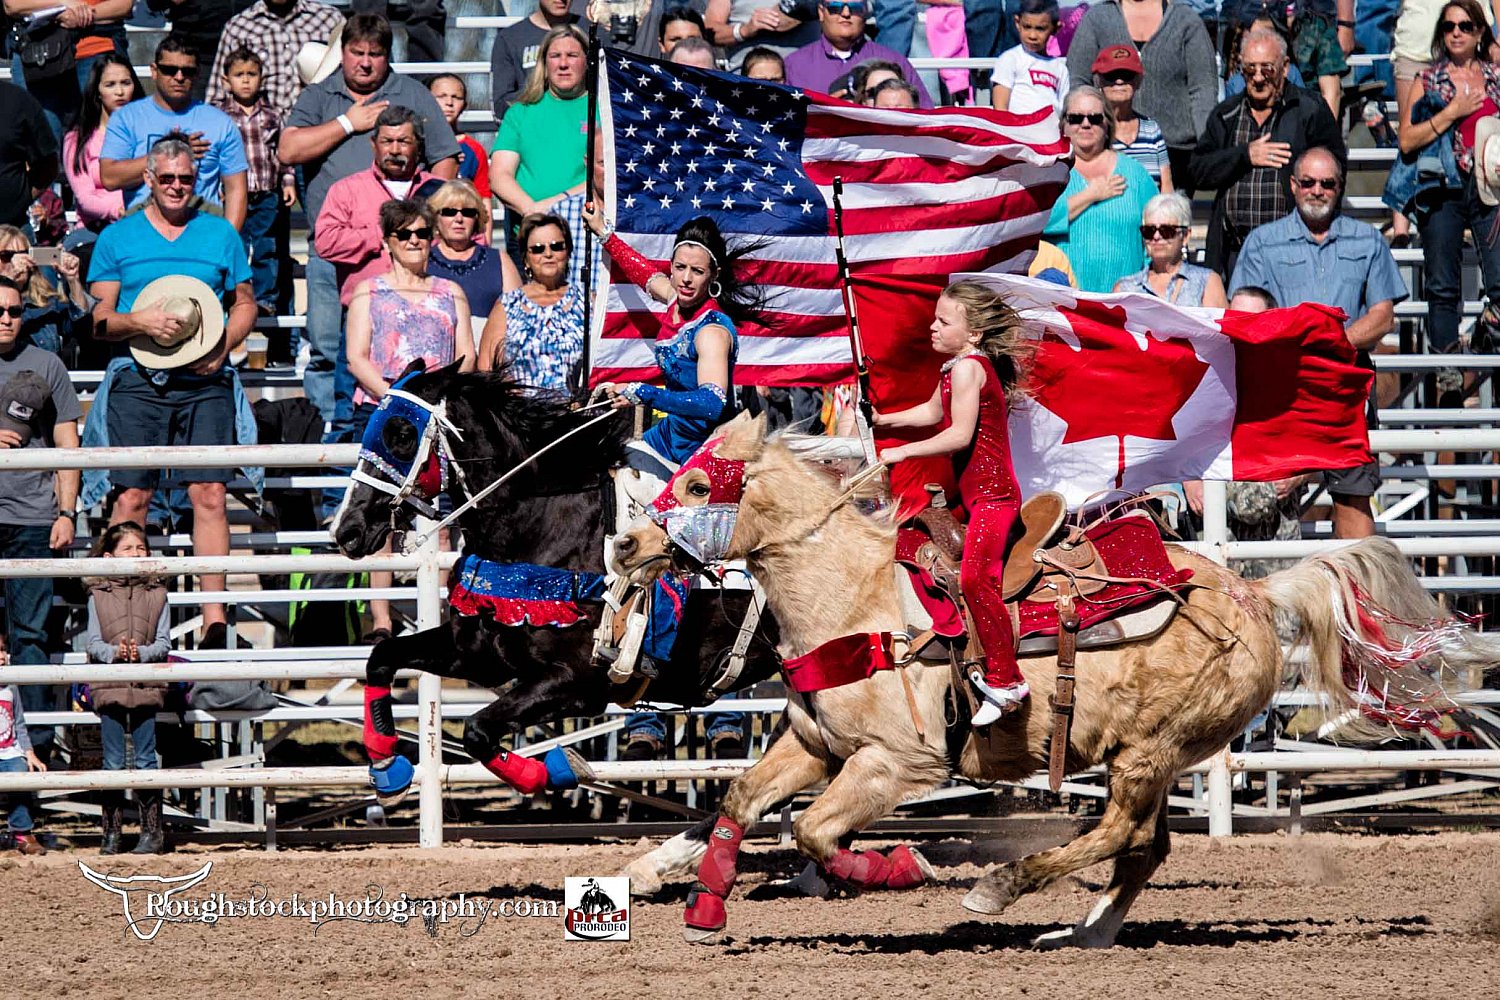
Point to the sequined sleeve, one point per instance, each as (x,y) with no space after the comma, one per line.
(637,268)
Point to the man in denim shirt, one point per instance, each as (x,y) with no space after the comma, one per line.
(1315,254)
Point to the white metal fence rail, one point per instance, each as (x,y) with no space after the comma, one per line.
(428,564)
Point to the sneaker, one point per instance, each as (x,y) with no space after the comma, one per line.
(996,701)
(641,746)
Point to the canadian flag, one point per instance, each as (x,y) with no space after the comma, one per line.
(1128,391)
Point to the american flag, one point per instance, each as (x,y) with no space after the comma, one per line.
(925,192)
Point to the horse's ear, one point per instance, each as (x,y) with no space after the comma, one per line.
(414,365)
(744,438)
(447,371)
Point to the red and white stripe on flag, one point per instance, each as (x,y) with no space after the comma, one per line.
(925,192)
(1129,391)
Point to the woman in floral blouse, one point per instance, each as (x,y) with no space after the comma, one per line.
(538,330)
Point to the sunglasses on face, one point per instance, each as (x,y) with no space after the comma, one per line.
(14,312)
(467,213)
(847,9)
(1308,183)
(184,71)
(1255,70)
(1115,79)
(172,180)
(6,256)
(556,246)
(1075,119)
(1464,27)
(1169,232)
(423,233)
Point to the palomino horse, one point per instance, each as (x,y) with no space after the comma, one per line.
(1146,709)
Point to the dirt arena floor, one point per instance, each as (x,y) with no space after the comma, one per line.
(1321,916)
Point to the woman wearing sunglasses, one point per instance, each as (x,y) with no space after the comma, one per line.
(51,314)
(538,330)
(459,252)
(1449,100)
(396,318)
(1095,221)
(1165,226)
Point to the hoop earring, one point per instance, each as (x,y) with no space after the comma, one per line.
(526,273)
(715,289)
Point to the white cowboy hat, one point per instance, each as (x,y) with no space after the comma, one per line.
(202,327)
(317,61)
(1487,159)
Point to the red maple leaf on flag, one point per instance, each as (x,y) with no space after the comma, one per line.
(1112,385)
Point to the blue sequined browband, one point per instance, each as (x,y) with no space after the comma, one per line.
(422,477)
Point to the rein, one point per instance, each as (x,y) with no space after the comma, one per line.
(475,498)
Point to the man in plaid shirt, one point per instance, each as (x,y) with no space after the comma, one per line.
(273,188)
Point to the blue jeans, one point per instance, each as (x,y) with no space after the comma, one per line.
(27,603)
(327,381)
(1442,245)
(984,23)
(1374,25)
(260,243)
(114,720)
(714,724)
(61,96)
(20,802)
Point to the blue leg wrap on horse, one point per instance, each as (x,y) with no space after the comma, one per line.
(559,770)
(393,778)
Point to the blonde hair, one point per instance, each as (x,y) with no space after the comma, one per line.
(463,194)
(1000,332)
(536,83)
(38,291)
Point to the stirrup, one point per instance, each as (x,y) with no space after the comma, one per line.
(996,702)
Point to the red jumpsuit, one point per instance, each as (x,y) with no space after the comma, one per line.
(987,486)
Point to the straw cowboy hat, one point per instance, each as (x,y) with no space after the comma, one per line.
(1487,159)
(202,327)
(317,61)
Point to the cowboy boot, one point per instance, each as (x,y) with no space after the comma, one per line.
(112,817)
(152,841)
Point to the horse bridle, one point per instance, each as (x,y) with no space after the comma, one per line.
(416,486)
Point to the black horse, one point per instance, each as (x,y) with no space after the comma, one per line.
(553,513)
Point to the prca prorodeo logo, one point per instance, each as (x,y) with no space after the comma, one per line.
(596,909)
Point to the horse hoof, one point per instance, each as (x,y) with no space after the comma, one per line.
(699,935)
(392,781)
(565,768)
(993,893)
(644,880)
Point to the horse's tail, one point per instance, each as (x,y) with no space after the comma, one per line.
(1376,646)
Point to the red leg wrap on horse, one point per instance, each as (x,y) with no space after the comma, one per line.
(380,729)
(524,774)
(705,911)
(905,872)
(868,870)
(716,871)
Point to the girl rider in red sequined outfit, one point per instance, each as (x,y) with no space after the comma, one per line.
(981,334)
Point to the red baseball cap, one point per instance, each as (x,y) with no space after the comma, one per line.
(1116,58)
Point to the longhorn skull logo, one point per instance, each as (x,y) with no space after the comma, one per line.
(128,886)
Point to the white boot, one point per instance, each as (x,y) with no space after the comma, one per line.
(996,701)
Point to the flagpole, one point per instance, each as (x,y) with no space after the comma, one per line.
(851,317)
(591,78)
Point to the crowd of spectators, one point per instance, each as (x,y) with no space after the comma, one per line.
(431,237)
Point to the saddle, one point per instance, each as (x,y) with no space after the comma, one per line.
(1058,587)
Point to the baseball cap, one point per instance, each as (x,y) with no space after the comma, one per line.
(22,399)
(1116,58)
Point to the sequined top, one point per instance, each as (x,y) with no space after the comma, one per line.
(985,474)
(675,437)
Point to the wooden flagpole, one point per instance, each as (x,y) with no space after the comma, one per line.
(851,317)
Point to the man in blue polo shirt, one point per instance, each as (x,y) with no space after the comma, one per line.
(166,403)
(222,170)
(1316,254)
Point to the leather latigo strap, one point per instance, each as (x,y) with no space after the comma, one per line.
(1062,698)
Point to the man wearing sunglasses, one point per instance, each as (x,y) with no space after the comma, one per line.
(223,170)
(1245,153)
(348,227)
(1318,254)
(843,46)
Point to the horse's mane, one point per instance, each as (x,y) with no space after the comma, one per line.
(528,421)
